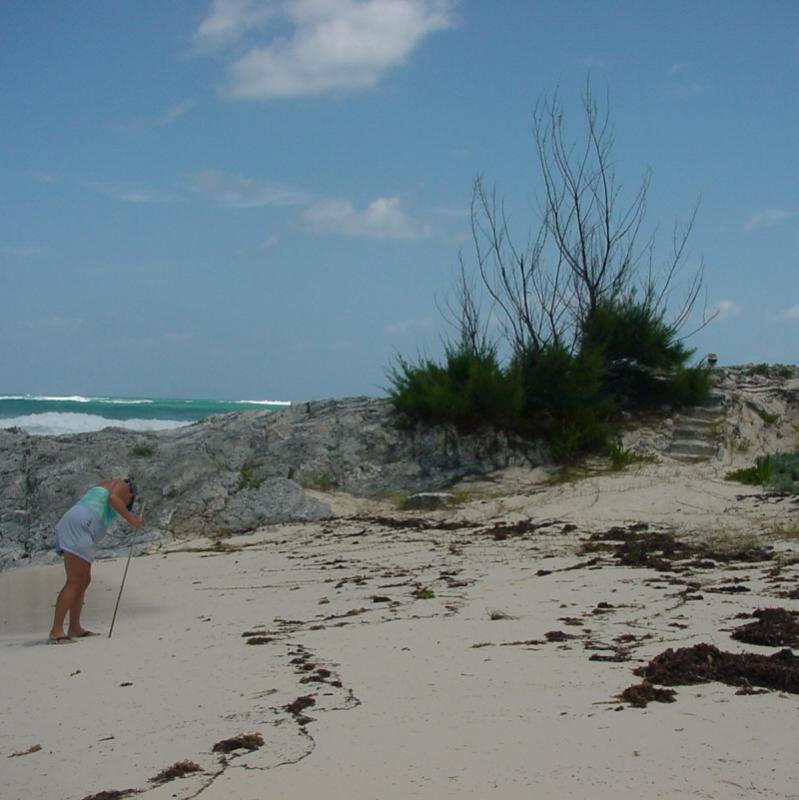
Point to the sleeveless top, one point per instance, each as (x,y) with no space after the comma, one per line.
(97,500)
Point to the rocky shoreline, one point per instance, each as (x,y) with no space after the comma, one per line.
(236,472)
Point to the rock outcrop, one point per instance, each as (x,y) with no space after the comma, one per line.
(235,472)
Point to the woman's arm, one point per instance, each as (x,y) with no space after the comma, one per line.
(119,496)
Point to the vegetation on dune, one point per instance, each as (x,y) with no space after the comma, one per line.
(588,326)
(778,471)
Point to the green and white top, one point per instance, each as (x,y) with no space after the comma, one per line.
(97,499)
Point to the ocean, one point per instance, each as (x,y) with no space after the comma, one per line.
(53,415)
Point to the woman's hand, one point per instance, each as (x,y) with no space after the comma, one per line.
(137,522)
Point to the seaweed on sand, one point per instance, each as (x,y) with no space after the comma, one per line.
(244,741)
(178,770)
(299,705)
(704,663)
(774,627)
(661,549)
(643,693)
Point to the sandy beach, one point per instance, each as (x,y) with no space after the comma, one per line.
(386,654)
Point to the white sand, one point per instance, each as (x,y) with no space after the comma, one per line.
(421,712)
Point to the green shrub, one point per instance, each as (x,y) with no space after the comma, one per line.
(688,386)
(644,360)
(565,400)
(785,472)
(247,479)
(578,432)
(569,399)
(758,475)
(630,329)
(470,390)
(778,471)
(621,458)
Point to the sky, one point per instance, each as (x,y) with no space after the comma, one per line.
(268,199)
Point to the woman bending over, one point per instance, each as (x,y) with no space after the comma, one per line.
(75,536)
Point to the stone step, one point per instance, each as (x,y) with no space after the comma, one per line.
(714,399)
(685,430)
(688,458)
(693,447)
(710,413)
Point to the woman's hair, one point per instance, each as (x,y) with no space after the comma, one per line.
(134,490)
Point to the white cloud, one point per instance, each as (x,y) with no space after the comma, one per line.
(133,192)
(229,20)
(56,324)
(381,219)
(790,314)
(409,325)
(681,83)
(726,309)
(317,45)
(769,217)
(236,191)
(175,113)
(43,177)
(28,251)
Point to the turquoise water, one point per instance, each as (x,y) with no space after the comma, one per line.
(53,415)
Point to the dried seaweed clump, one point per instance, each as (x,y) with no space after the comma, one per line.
(177,770)
(297,708)
(662,551)
(111,794)
(703,663)
(643,693)
(244,741)
(775,627)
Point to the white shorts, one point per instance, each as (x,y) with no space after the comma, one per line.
(77,531)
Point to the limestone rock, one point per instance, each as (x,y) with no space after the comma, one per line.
(235,472)
(428,501)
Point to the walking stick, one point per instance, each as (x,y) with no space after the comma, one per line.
(122,585)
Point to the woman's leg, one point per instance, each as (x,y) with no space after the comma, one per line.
(70,598)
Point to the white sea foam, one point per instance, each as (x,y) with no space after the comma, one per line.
(55,423)
(263,402)
(75,398)
(122,402)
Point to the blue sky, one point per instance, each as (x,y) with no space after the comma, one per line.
(265,198)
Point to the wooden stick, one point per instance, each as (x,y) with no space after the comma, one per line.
(122,585)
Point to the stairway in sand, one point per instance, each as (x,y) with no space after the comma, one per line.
(696,435)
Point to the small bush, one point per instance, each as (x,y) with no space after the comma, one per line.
(581,431)
(783,371)
(565,399)
(778,471)
(629,329)
(785,472)
(247,479)
(689,386)
(758,475)
(645,362)
(142,450)
(470,390)
(621,458)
